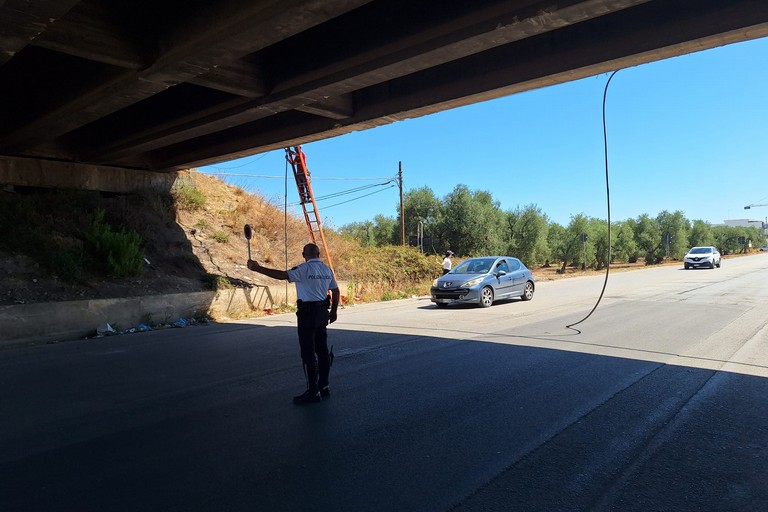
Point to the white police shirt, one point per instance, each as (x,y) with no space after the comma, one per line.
(313,279)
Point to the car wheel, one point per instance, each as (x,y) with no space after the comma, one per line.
(528,292)
(486,297)
(711,264)
(718,263)
(441,305)
(687,266)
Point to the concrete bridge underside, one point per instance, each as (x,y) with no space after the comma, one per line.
(152,85)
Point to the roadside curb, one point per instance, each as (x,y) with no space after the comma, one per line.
(60,321)
(48,322)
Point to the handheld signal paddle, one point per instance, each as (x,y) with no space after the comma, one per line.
(248,234)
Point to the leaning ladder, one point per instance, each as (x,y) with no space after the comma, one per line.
(298,160)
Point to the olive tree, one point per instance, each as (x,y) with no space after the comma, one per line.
(581,241)
(361,231)
(624,247)
(598,230)
(421,205)
(678,227)
(471,222)
(557,241)
(528,229)
(649,239)
(701,234)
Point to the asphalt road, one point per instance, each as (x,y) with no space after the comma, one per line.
(656,402)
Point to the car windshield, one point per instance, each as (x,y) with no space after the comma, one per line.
(474,266)
(701,250)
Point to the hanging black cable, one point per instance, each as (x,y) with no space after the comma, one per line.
(608,202)
(285,227)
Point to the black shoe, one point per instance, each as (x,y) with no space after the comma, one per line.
(307,397)
(325,391)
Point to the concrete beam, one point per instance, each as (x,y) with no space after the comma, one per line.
(30,172)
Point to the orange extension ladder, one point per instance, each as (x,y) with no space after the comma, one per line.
(298,160)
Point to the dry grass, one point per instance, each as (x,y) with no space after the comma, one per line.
(227,209)
(372,274)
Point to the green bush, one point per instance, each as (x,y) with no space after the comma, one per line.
(220,236)
(188,197)
(117,253)
(393,265)
(217,282)
(67,263)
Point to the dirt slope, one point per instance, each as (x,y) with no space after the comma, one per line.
(189,247)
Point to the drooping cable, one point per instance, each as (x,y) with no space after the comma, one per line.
(608,203)
(269,176)
(349,191)
(285,227)
(353,190)
(356,198)
(325,207)
(249,162)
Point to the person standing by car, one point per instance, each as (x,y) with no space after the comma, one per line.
(313,280)
(447,264)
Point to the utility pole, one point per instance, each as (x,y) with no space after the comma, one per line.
(402,203)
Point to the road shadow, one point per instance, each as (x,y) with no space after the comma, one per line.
(201,417)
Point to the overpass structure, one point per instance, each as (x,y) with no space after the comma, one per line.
(161,85)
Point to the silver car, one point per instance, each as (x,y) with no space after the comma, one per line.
(482,281)
(708,257)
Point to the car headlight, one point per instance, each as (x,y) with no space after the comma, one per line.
(434,283)
(472,283)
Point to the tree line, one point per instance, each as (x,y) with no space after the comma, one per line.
(472,223)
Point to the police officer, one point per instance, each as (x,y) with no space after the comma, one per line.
(313,279)
(447,264)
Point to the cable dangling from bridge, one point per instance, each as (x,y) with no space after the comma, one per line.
(608,202)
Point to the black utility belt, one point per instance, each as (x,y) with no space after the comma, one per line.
(304,304)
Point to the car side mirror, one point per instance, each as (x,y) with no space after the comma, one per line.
(500,273)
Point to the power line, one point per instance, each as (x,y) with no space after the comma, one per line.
(352,190)
(389,181)
(243,165)
(356,198)
(347,192)
(314,178)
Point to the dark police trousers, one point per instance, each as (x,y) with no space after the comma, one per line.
(313,339)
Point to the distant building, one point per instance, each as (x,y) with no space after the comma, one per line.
(746,223)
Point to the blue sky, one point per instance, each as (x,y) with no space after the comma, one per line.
(688,133)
